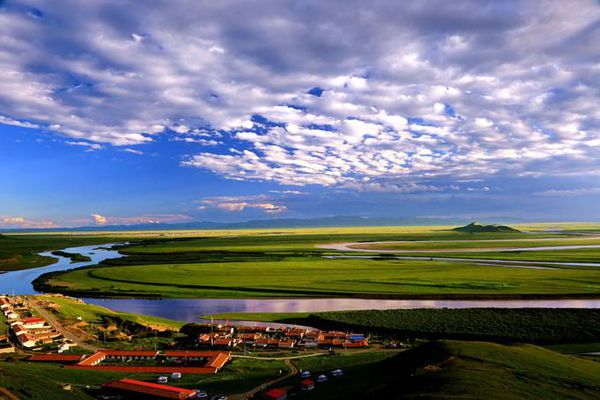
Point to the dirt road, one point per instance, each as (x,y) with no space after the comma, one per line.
(52,320)
(242,396)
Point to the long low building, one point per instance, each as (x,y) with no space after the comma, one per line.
(192,362)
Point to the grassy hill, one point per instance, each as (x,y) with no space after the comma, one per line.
(475,227)
(465,370)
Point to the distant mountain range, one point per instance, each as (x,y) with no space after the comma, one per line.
(322,222)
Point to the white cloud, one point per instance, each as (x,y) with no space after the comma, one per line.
(412,91)
(99,219)
(263,202)
(23,223)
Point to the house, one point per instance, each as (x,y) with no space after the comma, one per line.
(10,314)
(307,385)
(34,323)
(19,329)
(26,341)
(132,388)
(275,394)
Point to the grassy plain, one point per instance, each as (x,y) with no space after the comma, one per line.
(287,263)
(318,277)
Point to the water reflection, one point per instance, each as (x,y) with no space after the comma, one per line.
(191,309)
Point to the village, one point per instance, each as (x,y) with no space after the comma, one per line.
(204,349)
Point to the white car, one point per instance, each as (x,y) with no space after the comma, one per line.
(176,375)
(322,378)
(162,379)
(337,372)
(305,374)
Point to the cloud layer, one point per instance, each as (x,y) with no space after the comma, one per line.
(393,96)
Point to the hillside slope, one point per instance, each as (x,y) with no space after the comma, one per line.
(471,370)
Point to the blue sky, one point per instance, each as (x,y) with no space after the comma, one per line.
(118,113)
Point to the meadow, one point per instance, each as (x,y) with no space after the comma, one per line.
(288,263)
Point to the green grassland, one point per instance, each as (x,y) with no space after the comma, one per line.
(318,277)
(287,263)
(465,370)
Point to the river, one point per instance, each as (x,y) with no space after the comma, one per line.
(19,282)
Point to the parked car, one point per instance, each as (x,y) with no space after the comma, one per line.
(305,374)
(162,379)
(322,378)
(176,375)
(337,373)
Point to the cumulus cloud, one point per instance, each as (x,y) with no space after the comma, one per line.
(263,203)
(99,219)
(378,95)
(22,222)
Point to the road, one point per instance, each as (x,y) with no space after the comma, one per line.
(52,320)
(242,396)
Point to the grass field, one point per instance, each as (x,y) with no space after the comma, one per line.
(318,277)
(287,263)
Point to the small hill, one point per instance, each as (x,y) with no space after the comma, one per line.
(475,227)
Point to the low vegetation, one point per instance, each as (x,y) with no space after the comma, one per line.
(75,257)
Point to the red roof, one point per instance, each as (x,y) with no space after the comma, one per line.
(153,389)
(185,353)
(130,353)
(33,320)
(275,393)
(55,357)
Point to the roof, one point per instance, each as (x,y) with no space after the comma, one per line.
(55,357)
(130,353)
(33,320)
(185,353)
(276,393)
(153,389)
(220,360)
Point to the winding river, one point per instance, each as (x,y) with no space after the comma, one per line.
(19,282)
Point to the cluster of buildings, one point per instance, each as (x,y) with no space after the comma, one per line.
(27,330)
(263,337)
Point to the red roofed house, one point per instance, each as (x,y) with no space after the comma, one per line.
(33,323)
(139,389)
(276,394)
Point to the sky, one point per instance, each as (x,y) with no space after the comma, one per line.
(124,112)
